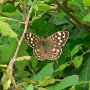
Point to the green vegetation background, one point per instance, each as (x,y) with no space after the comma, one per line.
(69,72)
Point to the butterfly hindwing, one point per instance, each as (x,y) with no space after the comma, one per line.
(52,51)
(39,52)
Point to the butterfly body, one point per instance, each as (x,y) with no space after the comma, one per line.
(49,48)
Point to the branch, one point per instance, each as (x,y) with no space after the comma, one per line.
(10,66)
(12,61)
(84,25)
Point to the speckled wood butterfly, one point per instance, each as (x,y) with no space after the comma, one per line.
(48,48)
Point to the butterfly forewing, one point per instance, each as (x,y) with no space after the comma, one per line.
(31,39)
(60,37)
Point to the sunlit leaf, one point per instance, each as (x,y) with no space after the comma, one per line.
(30,87)
(77,61)
(46,71)
(85,71)
(5,30)
(86,2)
(66,82)
(86,18)
(7,51)
(75,50)
(48,80)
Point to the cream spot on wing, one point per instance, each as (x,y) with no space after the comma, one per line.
(29,34)
(58,50)
(38,50)
(38,56)
(31,39)
(63,35)
(35,51)
(54,56)
(59,33)
(41,57)
(33,44)
(52,37)
(54,49)
(55,36)
(59,38)
(61,41)
(28,38)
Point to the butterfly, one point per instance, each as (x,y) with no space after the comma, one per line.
(49,48)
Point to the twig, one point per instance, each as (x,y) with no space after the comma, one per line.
(12,79)
(23,58)
(12,61)
(20,41)
(3,66)
(88,51)
(65,10)
(84,25)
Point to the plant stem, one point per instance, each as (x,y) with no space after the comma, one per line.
(12,61)
(84,25)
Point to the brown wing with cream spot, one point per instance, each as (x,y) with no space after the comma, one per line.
(60,37)
(39,52)
(31,39)
(52,51)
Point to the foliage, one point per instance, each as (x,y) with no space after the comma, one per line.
(71,71)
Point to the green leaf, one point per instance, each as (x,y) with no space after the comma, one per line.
(7,51)
(80,6)
(42,6)
(22,51)
(7,7)
(58,18)
(48,80)
(77,61)
(46,71)
(5,30)
(62,67)
(10,19)
(66,82)
(33,61)
(73,3)
(41,88)
(65,53)
(85,71)
(86,18)
(86,2)
(30,87)
(20,67)
(22,74)
(75,50)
